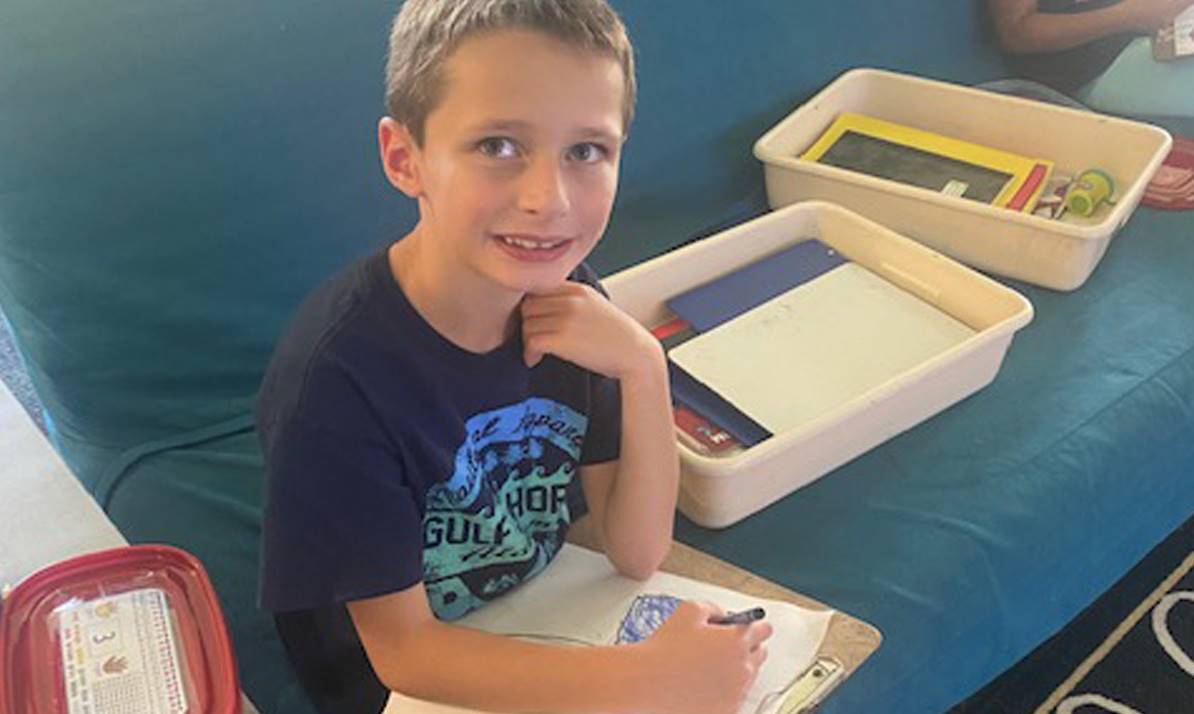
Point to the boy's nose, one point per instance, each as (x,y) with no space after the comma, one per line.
(542,189)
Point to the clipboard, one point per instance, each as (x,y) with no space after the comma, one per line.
(847,644)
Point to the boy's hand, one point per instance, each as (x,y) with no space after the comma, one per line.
(576,323)
(699,668)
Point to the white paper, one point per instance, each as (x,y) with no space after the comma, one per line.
(581,598)
(818,346)
(1183,29)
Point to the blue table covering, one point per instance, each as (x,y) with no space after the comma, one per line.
(976,535)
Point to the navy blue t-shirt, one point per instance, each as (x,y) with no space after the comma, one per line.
(394,456)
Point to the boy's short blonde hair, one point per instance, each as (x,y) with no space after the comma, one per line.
(425,33)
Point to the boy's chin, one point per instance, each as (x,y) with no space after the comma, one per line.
(540,283)
(538,280)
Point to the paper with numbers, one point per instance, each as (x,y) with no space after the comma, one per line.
(120,656)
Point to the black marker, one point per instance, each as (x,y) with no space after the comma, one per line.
(740,618)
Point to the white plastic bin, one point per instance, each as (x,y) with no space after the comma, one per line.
(718,491)
(1055,254)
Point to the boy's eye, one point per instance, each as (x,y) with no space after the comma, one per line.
(587,153)
(498,147)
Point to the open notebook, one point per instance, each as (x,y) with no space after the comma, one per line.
(819,346)
(581,600)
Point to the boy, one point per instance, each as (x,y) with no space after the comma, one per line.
(439,414)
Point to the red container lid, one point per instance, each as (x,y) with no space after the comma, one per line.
(134,630)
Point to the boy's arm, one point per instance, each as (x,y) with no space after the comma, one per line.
(632,500)
(1023,29)
(414,653)
(687,667)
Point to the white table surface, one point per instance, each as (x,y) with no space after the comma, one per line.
(45,514)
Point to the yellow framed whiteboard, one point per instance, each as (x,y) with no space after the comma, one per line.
(932,161)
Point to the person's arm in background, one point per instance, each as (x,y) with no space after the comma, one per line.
(1022,29)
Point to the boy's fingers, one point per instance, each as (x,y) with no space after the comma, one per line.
(758,656)
(534,306)
(563,291)
(569,292)
(757,633)
(708,611)
(540,325)
(568,287)
(694,610)
(531,357)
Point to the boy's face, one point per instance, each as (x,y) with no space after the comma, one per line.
(519,163)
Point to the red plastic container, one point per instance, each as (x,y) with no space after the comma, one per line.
(134,630)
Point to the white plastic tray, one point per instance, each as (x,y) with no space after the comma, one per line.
(1054,254)
(718,491)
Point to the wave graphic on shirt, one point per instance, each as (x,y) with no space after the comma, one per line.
(502,515)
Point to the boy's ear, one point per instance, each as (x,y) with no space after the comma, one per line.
(399,154)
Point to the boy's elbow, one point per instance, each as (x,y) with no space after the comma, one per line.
(401,664)
(394,681)
(635,571)
(639,564)
(407,681)
(394,677)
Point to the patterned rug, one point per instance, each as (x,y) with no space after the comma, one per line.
(1096,656)
(1146,665)
(14,377)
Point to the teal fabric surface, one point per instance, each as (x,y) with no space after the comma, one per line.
(1137,84)
(970,539)
(714,76)
(177,175)
(207,499)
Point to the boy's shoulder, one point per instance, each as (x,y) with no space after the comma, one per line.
(584,273)
(336,303)
(338,307)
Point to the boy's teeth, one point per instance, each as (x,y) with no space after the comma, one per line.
(529,244)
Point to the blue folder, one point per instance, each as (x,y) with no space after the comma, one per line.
(709,404)
(709,305)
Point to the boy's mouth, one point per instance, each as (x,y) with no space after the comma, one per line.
(533,249)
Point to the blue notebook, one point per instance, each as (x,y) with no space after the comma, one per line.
(709,404)
(709,305)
